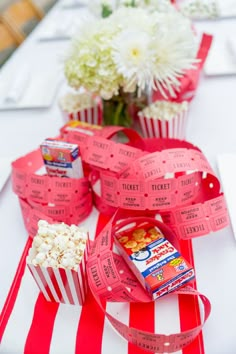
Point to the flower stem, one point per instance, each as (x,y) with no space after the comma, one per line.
(117,114)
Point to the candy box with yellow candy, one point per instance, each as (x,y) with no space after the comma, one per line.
(80,128)
(157,264)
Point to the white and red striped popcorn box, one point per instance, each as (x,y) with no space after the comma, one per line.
(61,284)
(159,124)
(82,107)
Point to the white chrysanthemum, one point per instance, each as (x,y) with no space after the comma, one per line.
(132,54)
(174,50)
(132,49)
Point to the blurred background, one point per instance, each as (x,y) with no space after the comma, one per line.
(17,20)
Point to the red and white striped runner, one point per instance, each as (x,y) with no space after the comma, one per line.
(31,325)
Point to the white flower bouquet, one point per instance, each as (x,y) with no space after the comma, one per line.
(130,52)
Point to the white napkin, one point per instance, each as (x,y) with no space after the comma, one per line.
(62,27)
(232,47)
(226,8)
(227,169)
(18,87)
(68,4)
(221,59)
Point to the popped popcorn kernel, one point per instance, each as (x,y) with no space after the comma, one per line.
(164,110)
(58,246)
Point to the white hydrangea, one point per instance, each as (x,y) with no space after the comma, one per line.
(132,48)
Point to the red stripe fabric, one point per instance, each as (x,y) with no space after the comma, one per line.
(91,323)
(142,317)
(66,285)
(12,295)
(43,280)
(90,329)
(77,287)
(40,333)
(55,284)
(189,307)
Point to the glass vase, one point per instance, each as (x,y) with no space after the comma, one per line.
(123,109)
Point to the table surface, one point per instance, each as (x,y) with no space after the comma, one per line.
(211,127)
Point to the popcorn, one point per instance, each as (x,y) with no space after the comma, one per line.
(62,247)
(164,119)
(56,242)
(73,102)
(81,106)
(164,110)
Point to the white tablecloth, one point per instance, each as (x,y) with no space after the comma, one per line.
(211,127)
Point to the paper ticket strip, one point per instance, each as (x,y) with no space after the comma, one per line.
(44,197)
(178,181)
(111,279)
(156,176)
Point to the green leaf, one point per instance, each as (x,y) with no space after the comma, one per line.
(133,3)
(106,11)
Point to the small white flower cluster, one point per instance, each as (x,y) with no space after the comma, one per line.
(200,9)
(164,110)
(96,6)
(75,102)
(58,246)
(148,4)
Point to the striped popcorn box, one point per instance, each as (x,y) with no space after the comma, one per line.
(57,261)
(164,119)
(83,107)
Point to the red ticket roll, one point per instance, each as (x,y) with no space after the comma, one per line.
(118,283)
(53,199)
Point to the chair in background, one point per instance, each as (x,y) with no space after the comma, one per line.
(8,42)
(21,17)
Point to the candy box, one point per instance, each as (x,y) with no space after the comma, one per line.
(157,264)
(80,128)
(82,107)
(57,262)
(62,159)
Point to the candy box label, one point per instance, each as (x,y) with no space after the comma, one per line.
(80,127)
(62,159)
(157,264)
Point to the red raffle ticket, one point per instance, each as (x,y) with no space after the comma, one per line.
(111,279)
(48,198)
(142,177)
